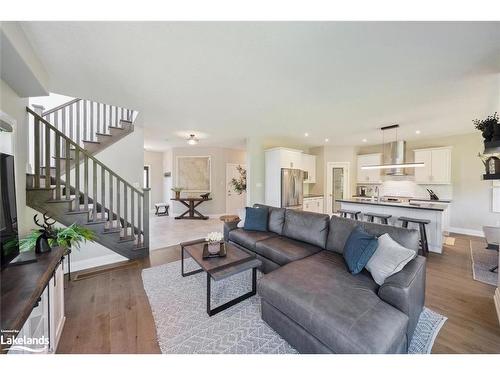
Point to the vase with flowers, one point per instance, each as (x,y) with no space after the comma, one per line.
(214,240)
(177,191)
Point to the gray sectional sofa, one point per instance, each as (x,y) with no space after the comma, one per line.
(312,300)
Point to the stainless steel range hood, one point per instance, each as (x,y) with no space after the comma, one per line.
(394,154)
(393,160)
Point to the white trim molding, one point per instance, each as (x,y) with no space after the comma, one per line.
(94,262)
(468,232)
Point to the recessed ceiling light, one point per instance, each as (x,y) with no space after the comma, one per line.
(364,140)
(326,140)
(192,140)
(417,131)
(306,134)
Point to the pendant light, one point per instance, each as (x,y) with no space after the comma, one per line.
(399,154)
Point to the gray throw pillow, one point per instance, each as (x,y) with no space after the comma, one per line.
(389,258)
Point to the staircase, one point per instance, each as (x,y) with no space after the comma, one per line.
(71,185)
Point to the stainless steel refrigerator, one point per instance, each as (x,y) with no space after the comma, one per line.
(292,188)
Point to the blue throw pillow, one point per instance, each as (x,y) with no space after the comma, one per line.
(358,249)
(256,218)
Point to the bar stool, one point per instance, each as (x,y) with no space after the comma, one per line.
(423,235)
(352,214)
(382,217)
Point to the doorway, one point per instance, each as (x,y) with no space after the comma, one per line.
(337,185)
(234,200)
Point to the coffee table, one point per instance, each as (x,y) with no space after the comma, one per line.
(237,260)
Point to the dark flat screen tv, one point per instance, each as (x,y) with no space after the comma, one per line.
(8,211)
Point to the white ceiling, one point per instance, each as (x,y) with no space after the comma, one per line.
(226,81)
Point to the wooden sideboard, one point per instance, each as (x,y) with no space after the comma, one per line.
(33,288)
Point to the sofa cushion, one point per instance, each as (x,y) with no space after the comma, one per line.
(248,238)
(341,310)
(341,228)
(282,250)
(389,258)
(256,218)
(358,249)
(307,227)
(276,218)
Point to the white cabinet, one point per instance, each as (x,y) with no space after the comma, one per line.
(309,166)
(437,169)
(276,159)
(315,204)
(46,321)
(289,158)
(56,317)
(369,176)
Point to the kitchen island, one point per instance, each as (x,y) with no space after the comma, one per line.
(435,212)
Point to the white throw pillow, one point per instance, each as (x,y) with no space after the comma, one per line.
(389,258)
(242,213)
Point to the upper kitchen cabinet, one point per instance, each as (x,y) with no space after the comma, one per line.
(276,159)
(437,169)
(309,166)
(369,176)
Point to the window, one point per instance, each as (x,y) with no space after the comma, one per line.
(147,177)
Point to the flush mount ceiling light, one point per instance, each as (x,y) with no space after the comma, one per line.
(306,134)
(398,150)
(192,140)
(5,127)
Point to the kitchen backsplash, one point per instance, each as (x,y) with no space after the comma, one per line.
(411,189)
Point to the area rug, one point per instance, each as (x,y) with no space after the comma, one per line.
(482,261)
(183,326)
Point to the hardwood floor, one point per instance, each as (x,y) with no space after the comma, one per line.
(108,312)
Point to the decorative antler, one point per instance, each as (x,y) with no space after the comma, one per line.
(46,219)
(35,219)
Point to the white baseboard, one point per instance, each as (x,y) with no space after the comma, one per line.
(468,232)
(496,298)
(94,262)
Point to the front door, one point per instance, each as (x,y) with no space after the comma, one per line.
(234,199)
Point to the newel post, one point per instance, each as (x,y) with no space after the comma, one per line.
(145,216)
(38,109)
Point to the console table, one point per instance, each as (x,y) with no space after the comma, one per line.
(191,203)
(34,288)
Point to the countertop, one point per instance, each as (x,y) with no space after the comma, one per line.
(21,287)
(418,206)
(313,196)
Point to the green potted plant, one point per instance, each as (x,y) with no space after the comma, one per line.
(177,191)
(69,237)
(240,184)
(489,127)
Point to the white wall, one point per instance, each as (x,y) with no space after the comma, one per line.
(15,107)
(155,162)
(326,154)
(168,166)
(219,158)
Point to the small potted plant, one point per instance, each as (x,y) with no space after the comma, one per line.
(69,237)
(177,191)
(214,240)
(489,127)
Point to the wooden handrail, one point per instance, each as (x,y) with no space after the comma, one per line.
(60,107)
(82,150)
